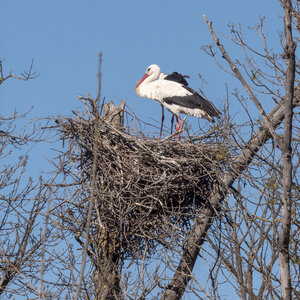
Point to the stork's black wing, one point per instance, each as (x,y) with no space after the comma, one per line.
(177,77)
(194,101)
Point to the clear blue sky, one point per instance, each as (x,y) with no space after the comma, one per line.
(65,37)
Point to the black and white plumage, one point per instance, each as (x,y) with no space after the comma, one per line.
(177,77)
(176,97)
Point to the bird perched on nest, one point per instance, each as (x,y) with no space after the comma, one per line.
(177,77)
(177,97)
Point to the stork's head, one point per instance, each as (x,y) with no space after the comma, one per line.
(152,72)
(153,69)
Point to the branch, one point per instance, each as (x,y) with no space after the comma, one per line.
(183,274)
(240,77)
(24,76)
(284,239)
(93,182)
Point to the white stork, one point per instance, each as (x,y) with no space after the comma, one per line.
(177,77)
(176,97)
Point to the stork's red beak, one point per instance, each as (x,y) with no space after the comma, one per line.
(143,78)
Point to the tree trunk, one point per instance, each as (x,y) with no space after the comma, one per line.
(106,275)
(284,239)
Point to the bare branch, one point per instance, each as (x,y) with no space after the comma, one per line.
(92,198)
(26,75)
(284,240)
(238,74)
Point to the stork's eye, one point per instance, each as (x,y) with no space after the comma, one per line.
(148,70)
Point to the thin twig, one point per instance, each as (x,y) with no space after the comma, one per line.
(93,182)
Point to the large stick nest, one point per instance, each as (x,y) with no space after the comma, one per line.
(146,191)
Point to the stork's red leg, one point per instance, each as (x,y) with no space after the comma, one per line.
(179,126)
(162,120)
(172,122)
(176,123)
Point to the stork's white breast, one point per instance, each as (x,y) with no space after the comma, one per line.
(160,89)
